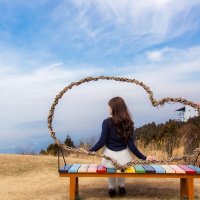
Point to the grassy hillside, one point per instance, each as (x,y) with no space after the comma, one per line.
(173,138)
(26,177)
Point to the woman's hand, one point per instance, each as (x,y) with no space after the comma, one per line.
(151,158)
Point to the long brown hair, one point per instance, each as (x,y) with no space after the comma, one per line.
(121,117)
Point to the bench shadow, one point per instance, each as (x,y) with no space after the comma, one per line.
(134,191)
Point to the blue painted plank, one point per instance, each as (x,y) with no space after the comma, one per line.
(197,169)
(159,169)
(74,168)
(111,170)
(149,169)
(65,168)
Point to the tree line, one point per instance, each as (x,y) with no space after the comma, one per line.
(170,135)
(52,149)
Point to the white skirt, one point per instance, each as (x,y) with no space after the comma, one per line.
(122,157)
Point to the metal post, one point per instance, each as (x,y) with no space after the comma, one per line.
(58,158)
(63,156)
(196,159)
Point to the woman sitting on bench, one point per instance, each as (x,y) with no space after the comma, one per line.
(117,135)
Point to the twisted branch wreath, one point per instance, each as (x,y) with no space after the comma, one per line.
(154,102)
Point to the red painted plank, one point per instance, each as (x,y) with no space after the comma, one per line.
(101,169)
(195,168)
(187,169)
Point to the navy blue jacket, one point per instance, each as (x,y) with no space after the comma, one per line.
(114,142)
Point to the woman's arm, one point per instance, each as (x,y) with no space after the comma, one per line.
(103,137)
(134,149)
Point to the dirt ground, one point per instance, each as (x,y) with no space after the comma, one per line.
(27,177)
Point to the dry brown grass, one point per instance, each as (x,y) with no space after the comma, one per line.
(152,149)
(26,177)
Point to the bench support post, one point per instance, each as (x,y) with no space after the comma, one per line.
(77,186)
(187,188)
(73,193)
(186,182)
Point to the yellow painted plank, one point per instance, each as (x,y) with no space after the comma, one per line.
(130,170)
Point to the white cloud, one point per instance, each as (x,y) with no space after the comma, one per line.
(101,28)
(172,55)
(158,55)
(31,93)
(147,22)
(81,111)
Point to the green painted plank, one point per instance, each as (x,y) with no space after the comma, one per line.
(139,169)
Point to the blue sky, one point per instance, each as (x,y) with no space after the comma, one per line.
(45,45)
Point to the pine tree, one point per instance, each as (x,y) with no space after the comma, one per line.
(69,142)
(52,149)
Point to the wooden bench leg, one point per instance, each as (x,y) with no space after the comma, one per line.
(187,188)
(76,186)
(72,191)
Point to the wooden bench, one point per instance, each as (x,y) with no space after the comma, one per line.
(186,174)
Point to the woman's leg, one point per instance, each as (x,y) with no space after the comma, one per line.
(111,183)
(121,182)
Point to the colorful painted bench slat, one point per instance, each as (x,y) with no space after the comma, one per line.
(83,168)
(186,174)
(177,169)
(197,169)
(111,170)
(139,169)
(149,169)
(92,168)
(74,168)
(130,170)
(187,169)
(159,169)
(65,168)
(168,169)
(101,169)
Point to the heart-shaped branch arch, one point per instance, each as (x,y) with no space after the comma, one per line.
(154,102)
